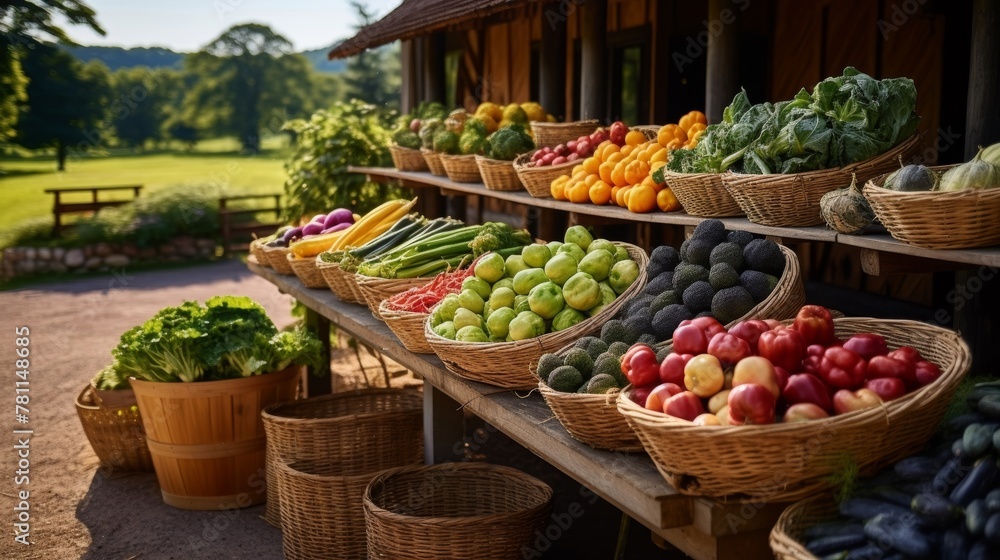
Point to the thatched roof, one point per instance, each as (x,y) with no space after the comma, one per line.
(418,17)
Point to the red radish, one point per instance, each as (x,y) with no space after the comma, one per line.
(561,150)
(548,159)
(573,156)
(571,145)
(559,160)
(583,148)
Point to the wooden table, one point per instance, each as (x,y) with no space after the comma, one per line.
(702,528)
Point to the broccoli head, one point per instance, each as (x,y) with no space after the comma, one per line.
(477,125)
(446,142)
(508,143)
(428,128)
(406,138)
(472,142)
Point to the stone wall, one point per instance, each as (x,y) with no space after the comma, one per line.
(17,262)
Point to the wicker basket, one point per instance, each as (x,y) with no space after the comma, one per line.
(794,521)
(498,175)
(257,250)
(352,433)
(115,432)
(278,257)
(508,364)
(376,289)
(461,169)
(553,134)
(592,419)
(433,161)
(538,180)
(784,462)
(407,326)
(341,283)
(793,199)
(703,194)
(473,511)
(307,271)
(407,159)
(938,220)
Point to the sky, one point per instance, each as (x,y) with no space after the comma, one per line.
(188,25)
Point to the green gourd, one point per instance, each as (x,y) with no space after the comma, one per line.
(911,178)
(847,210)
(992,154)
(975,174)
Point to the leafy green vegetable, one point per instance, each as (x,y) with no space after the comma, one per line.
(844,120)
(229,337)
(509,142)
(110,379)
(445,142)
(406,138)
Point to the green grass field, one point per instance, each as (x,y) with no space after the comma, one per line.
(215,164)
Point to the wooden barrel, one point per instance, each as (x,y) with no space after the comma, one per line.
(207,438)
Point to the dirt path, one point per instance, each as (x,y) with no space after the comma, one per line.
(75,511)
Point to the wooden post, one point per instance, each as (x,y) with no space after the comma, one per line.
(593,55)
(319,382)
(552,62)
(409,90)
(723,61)
(444,427)
(433,67)
(977,292)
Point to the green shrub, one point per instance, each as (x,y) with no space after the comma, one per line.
(30,232)
(155,219)
(350,133)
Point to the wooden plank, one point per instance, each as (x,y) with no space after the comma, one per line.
(989,256)
(444,427)
(89,189)
(880,263)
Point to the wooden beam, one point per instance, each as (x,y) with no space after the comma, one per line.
(879,263)
(593,55)
(982,120)
(552,62)
(409,90)
(723,62)
(432,65)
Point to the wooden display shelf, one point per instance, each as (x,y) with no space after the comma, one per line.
(882,243)
(702,528)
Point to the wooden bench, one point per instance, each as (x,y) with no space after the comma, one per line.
(240,225)
(60,208)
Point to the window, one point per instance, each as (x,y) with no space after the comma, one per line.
(451,62)
(629,75)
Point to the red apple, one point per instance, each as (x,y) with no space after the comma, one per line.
(804,412)
(759,371)
(685,405)
(657,398)
(847,401)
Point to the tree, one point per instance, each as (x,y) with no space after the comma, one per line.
(22,25)
(367,73)
(247,80)
(67,102)
(141,103)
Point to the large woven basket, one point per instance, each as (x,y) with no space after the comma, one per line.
(114,431)
(793,523)
(784,462)
(553,134)
(341,283)
(793,199)
(703,194)
(472,511)
(306,270)
(433,161)
(352,433)
(407,159)
(376,289)
(257,250)
(938,220)
(461,169)
(508,364)
(407,326)
(538,180)
(592,419)
(498,175)
(278,257)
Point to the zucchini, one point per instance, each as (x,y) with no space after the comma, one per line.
(949,476)
(917,468)
(839,543)
(992,530)
(980,392)
(990,405)
(955,545)
(936,508)
(895,496)
(898,533)
(831,529)
(958,424)
(958,449)
(976,483)
(870,551)
(977,438)
(976,515)
(867,508)
(993,501)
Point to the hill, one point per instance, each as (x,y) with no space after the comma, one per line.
(159,57)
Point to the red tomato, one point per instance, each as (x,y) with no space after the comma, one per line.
(685,405)
(643,369)
(750,331)
(751,404)
(887,388)
(638,395)
(842,369)
(807,388)
(689,339)
(783,347)
(867,345)
(728,348)
(657,398)
(672,368)
(885,367)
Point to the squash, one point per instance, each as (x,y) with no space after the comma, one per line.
(847,210)
(975,174)
(912,178)
(992,154)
